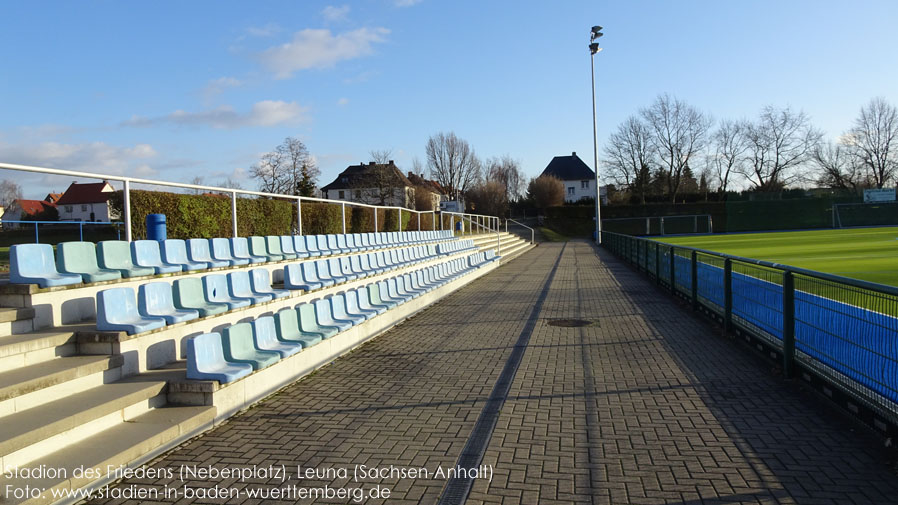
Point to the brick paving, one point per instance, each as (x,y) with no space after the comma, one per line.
(646,405)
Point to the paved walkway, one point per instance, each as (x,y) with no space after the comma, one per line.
(647,405)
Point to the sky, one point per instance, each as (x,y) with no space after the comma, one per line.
(178,90)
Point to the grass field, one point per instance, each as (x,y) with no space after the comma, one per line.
(870,254)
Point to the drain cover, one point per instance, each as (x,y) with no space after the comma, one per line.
(570,323)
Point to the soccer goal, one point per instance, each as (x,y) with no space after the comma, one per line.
(660,225)
(848,215)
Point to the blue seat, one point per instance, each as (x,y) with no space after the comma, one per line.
(258,246)
(146,253)
(273,244)
(198,250)
(301,248)
(353,309)
(240,287)
(397,290)
(206,361)
(174,252)
(361,240)
(339,312)
(265,333)
(346,268)
(313,247)
(221,251)
(116,255)
(325,317)
(363,299)
(286,321)
(355,264)
(380,295)
(333,246)
(346,242)
(117,311)
(188,295)
(215,287)
(260,281)
(240,347)
(154,299)
(288,246)
(81,258)
(322,267)
(301,276)
(308,322)
(240,251)
(35,264)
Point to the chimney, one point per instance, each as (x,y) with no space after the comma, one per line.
(574,153)
(371,163)
(410,174)
(391,162)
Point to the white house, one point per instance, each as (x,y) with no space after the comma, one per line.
(579,180)
(86,202)
(374,184)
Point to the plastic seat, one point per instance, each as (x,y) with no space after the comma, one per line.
(221,251)
(339,312)
(34,264)
(361,239)
(314,248)
(325,275)
(265,333)
(174,252)
(117,311)
(206,361)
(198,250)
(154,299)
(355,264)
(308,322)
(301,276)
(239,287)
(260,282)
(331,241)
(188,295)
(273,243)
(239,347)
(363,299)
(325,316)
(116,255)
(288,245)
(351,302)
(301,248)
(286,322)
(81,258)
(146,253)
(346,268)
(258,246)
(216,288)
(240,251)
(380,295)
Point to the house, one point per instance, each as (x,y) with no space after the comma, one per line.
(374,184)
(21,209)
(577,177)
(86,202)
(437,193)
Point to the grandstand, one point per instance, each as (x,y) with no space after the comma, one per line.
(117,351)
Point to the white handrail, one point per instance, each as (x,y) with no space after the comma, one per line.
(520,224)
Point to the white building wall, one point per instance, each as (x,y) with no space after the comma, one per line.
(578,189)
(82,212)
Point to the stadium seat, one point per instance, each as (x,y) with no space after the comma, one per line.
(325,316)
(266,337)
(258,246)
(146,253)
(286,322)
(363,299)
(116,255)
(355,265)
(379,295)
(81,258)
(198,250)
(34,264)
(339,312)
(273,244)
(288,245)
(240,251)
(301,276)
(313,247)
(206,361)
(240,287)
(221,251)
(174,252)
(308,322)
(154,299)
(117,311)
(322,268)
(346,268)
(239,347)
(188,295)
(260,281)
(302,251)
(216,288)
(351,302)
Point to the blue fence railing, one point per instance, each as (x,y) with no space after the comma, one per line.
(843,331)
(79,224)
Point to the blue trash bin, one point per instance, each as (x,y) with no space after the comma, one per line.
(156,227)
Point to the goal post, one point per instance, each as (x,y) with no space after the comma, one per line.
(849,215)
(660,225)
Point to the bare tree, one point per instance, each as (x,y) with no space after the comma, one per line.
(197,181)
(729,144)
(680,131)
(417,167)
(9,193)
(488,197)
(838,167)
(381,156)
(230,184)
(452,162)
(874,140)
(629,156)
(288,170)
(507,172)
(546,191)
(779,144)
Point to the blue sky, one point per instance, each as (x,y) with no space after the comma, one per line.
(175,90)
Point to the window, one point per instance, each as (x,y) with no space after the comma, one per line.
(358,194)
(83,208)
(584,184)
(570,190)
(342,195)
(68,208)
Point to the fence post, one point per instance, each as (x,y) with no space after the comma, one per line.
(126,195)
(375,219)
(788,323)
(727,295)
(37,239)
(694,280)
(81,231)
(234,214)
(419,221)
(299,214)
(343,208)
(657,264)
(673,271)
(399,211)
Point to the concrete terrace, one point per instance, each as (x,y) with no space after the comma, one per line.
(647,405)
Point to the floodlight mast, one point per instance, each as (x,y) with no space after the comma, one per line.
(595,33)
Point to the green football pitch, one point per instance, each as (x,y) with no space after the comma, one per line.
(870,254)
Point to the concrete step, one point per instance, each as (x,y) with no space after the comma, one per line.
(514,252)
(127,444)
(16,320)
(36,432)
(37,346)
(39,384)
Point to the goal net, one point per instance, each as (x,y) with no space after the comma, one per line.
(847,215)
(659,225)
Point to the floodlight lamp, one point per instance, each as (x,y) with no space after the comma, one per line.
(594,48)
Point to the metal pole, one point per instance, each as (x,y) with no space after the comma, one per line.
(234,214)
(595,147)
(433,220)
(299,214)
(127,208)
(375,219)
(37,239)
(400,219)
(343,206)
(81,231)
(419,221)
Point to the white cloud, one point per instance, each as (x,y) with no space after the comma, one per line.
(334,14)
(343,101)
(405,3)
(217,86)
(269,30)
(320,49)
(88,157)
(264,113)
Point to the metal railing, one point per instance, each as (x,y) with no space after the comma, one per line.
(128,181)
(80,224)
(532,232)
(838,331)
